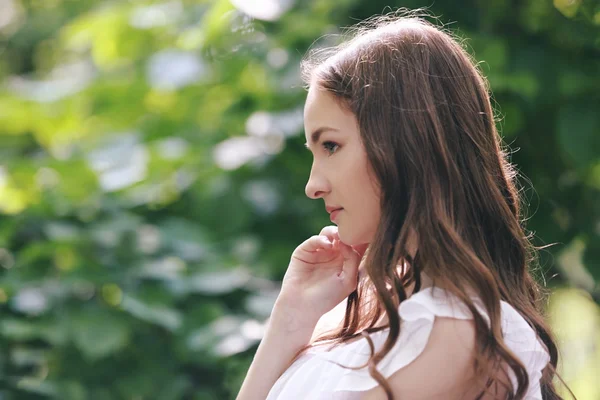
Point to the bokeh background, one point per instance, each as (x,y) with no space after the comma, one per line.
(152,176)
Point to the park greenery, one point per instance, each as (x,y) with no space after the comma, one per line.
(152,174)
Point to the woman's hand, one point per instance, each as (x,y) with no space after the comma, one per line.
(322,272)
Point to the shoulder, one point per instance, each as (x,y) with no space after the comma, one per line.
(434,356)
(444,369)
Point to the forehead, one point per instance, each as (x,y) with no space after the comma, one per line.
(322,109)
(315,100)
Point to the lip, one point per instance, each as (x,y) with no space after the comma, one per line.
(333,215)
(331,209)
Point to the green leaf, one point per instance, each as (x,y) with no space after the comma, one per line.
(579,133)
(591,257)
(98,333)
(568,8)
(159,315)
(54,332)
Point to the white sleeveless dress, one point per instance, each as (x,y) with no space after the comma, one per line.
(313,376)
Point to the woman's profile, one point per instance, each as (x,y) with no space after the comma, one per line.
(422,288)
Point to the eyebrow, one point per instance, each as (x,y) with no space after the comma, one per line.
(316,134)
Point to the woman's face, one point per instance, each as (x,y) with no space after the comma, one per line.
(340,170)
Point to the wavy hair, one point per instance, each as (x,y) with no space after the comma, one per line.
(429,132)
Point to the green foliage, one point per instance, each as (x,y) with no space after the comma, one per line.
(152,174)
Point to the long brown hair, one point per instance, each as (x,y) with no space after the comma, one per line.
(429,132)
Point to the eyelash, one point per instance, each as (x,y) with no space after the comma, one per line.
(326,145)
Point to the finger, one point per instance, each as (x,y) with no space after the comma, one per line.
(321,257)
(317,242)
(351,262)
(318,249)
(331,231)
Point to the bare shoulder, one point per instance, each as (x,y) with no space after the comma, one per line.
(445,368)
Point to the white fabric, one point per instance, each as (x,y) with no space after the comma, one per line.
(313,376)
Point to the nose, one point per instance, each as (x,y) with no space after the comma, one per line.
(317,185)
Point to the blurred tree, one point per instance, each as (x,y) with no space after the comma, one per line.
(152,174)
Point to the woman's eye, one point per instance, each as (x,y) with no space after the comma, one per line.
(331,147)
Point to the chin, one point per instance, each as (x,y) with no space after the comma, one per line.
(351,238)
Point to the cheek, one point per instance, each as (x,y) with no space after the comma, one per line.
(365,215)
(369,194)
(372,206)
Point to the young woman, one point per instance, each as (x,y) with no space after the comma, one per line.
(423,289)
